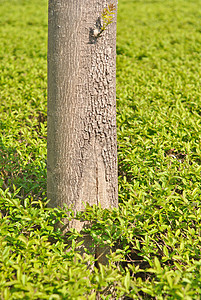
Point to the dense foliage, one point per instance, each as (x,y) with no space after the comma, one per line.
(155,234)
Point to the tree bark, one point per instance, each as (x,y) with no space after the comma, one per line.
(81,144)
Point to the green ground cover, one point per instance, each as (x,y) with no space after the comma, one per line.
(156,231)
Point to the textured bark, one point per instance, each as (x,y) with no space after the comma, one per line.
(82,150)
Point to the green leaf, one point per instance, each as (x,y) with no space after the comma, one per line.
(165,251)
(157,264)
(170,281)
(127,281)
(92,296)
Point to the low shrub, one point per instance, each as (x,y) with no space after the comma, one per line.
(154,236)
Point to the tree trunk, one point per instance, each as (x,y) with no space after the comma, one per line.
(82,148)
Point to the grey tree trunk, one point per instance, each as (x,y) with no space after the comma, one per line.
(82,149)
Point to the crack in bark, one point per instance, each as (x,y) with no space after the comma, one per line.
(97,191)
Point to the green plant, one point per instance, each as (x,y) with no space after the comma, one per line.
(107,15)
(155,233)
(107,18)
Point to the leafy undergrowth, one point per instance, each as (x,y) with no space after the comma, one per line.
(155,234)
